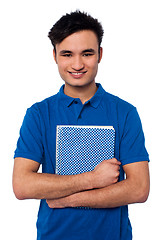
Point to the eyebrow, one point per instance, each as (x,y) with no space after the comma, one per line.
(89,50)
(65,52)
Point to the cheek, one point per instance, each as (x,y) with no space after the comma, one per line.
(93,64)
(61,63)
(62,67)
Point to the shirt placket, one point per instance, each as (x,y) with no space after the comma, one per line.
(78,108)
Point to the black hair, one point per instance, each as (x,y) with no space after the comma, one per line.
(74,22)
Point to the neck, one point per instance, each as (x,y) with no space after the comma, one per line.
(84,93)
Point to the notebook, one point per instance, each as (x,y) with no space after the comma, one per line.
(81,148)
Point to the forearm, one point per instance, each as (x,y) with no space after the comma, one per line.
(50,186)
(115,195)
(28,184)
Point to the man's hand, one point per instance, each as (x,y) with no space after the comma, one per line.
(106,173)
(68,201)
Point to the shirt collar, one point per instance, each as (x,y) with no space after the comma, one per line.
(67,100)
(94,101)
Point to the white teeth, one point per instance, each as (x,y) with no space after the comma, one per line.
(77,73)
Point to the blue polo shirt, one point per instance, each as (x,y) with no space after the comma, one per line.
(37,142)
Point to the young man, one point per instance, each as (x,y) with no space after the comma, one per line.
(76,38)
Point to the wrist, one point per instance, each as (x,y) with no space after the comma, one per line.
(88,180)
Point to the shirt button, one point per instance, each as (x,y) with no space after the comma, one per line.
(75,102)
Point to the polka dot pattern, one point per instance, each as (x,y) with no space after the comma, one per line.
(81,148)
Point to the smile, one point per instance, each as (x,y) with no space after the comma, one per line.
(77,74)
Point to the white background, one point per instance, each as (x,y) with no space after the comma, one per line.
(130,69)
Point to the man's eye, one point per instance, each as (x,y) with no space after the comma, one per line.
(87,54)
(67,55)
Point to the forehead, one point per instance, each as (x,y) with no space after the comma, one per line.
(79,41)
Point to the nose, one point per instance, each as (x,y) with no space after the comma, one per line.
(77,64)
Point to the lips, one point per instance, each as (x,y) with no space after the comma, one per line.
(77,74)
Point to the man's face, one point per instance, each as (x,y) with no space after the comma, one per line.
(77,57)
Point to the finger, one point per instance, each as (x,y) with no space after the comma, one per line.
(118,173)
(114,161)
(116,179)
(117,167)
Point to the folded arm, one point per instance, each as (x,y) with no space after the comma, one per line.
(135,188)
(29,184)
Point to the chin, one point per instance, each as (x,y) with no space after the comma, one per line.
(79,83)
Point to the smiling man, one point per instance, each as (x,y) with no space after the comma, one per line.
(93,204)
(77,57)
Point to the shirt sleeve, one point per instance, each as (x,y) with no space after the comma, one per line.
(132,144)
(30,144)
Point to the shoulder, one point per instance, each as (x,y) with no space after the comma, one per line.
(44,105)
(120,104)
(40,112)
(122,112)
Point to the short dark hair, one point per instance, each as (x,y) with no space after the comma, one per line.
(74,22)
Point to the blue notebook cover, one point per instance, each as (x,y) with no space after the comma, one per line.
(81,148)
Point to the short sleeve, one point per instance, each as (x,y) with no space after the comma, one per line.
(132,144)
(29,144)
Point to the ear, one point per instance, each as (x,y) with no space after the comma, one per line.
(54,55)
(100,54)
